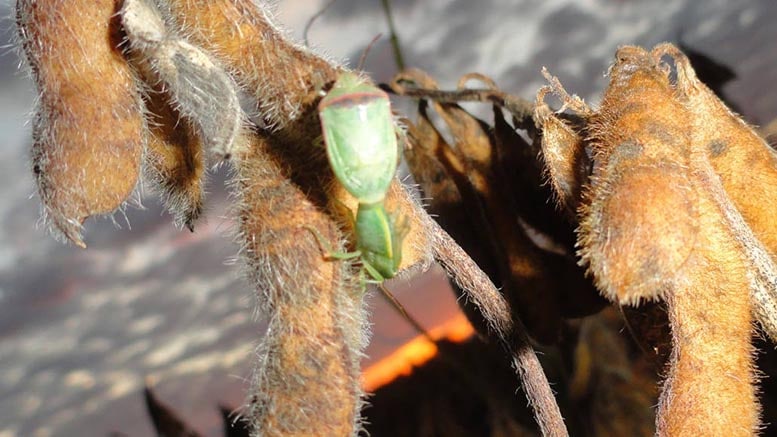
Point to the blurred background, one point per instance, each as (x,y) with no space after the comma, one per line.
(80,330)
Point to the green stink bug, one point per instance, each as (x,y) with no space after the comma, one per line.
(358,131)
(361,144)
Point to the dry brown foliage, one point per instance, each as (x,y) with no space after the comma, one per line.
(662,193)
(171,96)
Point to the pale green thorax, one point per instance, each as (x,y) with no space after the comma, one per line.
(358,130)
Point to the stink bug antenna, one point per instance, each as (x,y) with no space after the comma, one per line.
(366,50)
(314,18)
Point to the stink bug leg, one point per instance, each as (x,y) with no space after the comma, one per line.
(330,252)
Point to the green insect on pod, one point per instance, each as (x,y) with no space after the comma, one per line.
(379,238)
(361,143)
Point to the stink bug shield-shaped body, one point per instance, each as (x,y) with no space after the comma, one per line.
(358,131)
(361,144)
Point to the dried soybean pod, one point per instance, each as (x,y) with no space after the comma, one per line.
(308,378)
(638,219)
(175,161)
(88,129)
(247,43)
(566,161)
(746,164)
(644,130)
(747,168)
(202,92)
(709,388)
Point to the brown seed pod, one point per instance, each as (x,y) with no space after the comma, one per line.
(175,161)
(745,163)
(563,150)
(245,40)
(88,129)
(656,222)
(709,388)
(638,218)
(747,191)
(198,88)
(308,378)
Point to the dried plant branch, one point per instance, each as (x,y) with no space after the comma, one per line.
(510,333)
(520,108)
(398,57)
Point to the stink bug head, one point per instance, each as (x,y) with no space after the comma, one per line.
(348,83)
(361,143)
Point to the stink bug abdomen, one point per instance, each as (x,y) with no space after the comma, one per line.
(379,240)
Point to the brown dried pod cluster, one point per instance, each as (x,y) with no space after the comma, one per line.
(664,215)
(168,94)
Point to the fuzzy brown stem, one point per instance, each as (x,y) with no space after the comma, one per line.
(511,334)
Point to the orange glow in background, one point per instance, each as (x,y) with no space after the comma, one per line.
(415,353)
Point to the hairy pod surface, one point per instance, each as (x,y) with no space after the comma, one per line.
(175,161)
(201,91)
(244,39)
(88,128)
(656,222)
(746,164)
(308,378)
(731,151)
(709,388)
(567,163)
(638,220)
(361,144)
